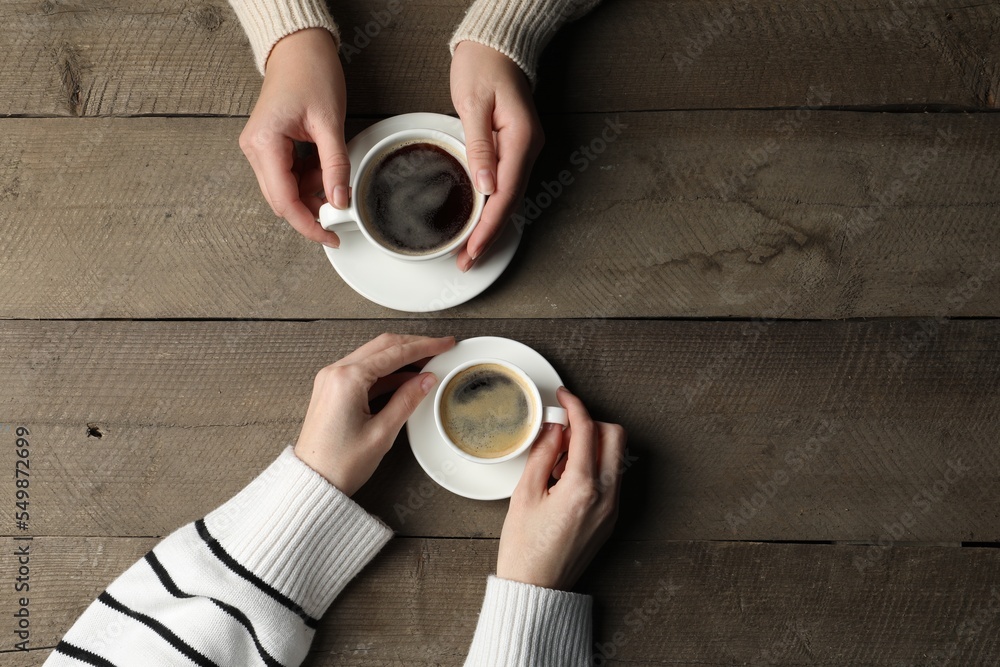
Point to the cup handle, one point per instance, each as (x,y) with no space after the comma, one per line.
(337,220)
(555,415)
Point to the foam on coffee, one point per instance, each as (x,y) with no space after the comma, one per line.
(417,198)
(487,411)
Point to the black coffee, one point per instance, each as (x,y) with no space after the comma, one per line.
(417,198)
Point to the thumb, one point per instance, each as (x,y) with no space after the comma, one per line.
(336,164)
(541,460)
(391,418)
(480,150)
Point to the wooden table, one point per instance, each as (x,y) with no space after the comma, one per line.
(782,276)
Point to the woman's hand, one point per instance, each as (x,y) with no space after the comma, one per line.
(303,98)
(341,439)
(552,533)
(503,136)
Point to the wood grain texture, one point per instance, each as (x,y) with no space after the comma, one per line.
(704,214)
(67,57)
(879,435)
(741,430)
(657,603)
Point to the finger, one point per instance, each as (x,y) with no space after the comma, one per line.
(311,190)
(335,162)
(612,456)
(259,174)
(417,365)
(402,404)
(377,344)
(389,383)
(541,460)
(275,163)
(561,464)
(464,259)
(382,342)
(582,456)
(420,363)
(560,467)
(516,157)
(395,357)
(480,148)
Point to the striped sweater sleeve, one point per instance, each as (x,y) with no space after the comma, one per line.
(244,586)
(521,625)
(519,29)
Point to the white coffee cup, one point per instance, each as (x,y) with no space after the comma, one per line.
(541,414)
(352,218)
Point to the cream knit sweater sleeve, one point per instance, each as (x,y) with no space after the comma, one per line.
(267,21)
(519,29)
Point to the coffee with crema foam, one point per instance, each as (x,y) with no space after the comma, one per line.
(487,411)
(416,198)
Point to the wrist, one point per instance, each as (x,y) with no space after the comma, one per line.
(488,60)
(530,569)
(520,29)
(306,43)
(317,464)
(531,579)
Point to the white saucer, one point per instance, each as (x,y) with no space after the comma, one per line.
(416,287)
(479,481)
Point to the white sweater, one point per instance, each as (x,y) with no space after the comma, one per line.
(247,584)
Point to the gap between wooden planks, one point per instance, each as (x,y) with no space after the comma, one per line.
(177,57)
(739,430)
(686,214)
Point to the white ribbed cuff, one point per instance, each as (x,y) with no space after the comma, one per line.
(519,29)
(267,21)
(525,625)
(297,532)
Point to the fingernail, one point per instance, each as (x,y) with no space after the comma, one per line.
(548,426)
(562,389)
(468,265)
(428,382)
(484,181)
(331,245)
(483,249)
(341,196)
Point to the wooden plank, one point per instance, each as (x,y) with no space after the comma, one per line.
(738,430)
(657,602)
(68,57)
(704,214)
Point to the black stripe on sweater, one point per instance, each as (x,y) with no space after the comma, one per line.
(236,567)
(241,618)
(160,629)
(83,655)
